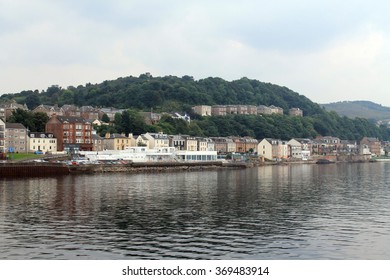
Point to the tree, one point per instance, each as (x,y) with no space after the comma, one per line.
(105,118)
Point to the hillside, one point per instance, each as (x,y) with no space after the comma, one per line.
(170,94)
(360,109)
(167,94)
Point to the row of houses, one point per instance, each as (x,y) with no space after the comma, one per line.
(72,134)
(223,110)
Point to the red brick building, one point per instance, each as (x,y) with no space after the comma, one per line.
(72,133)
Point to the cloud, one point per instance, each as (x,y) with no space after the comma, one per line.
(322,50)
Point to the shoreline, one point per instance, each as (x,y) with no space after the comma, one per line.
(47,169)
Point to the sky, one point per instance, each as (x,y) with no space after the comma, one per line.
(328,51)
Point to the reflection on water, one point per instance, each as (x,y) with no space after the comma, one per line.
(274,212)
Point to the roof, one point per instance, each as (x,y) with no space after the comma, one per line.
(40,135)
(71,119)
(14,126)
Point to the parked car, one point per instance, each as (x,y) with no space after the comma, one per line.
(38,152)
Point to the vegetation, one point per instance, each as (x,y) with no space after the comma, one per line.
(363,109)
(170,94)
(34,122)
(23,156)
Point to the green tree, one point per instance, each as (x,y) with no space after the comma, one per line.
(105,118)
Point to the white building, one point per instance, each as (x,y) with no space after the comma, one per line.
(43,142)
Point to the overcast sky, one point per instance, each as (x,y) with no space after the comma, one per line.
(326,50)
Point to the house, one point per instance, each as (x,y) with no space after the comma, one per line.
(141,140)
(49,110)
(157,140)
(231,110)
(98,142)
(252,110)
(2,137)
(73,133)
(7,109)
(89,112)
(373,144)
(190,143)
(151,117)
(202,144)
(224,145)
(42,142)
(110,112)
(273,149)
(276,110)
(295,112)
(264,110)
(15,138)
(327,145)
(300,148)
(202,110)
(218,110)
(242,109)
(295,148)
(118,142)
(71,111)
(178,116)
(177,141)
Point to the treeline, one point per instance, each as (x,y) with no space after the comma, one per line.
(259,127)
(166,94)
(170,94)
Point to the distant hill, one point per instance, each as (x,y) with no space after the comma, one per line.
(361,109)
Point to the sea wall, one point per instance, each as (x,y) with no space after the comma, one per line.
(152,167)
(32,169)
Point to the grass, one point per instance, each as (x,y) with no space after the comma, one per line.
(23,156)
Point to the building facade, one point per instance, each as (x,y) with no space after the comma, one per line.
(42,142)
(72,133)
(15,138)
(2,137)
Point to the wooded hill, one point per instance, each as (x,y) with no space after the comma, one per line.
(175,94)
(362,109)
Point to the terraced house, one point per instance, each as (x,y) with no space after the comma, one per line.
(72,133)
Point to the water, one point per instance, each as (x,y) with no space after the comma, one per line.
(338,211)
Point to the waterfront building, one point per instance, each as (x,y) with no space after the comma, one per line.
(2,137)
(224,145)
(157,140)
(15,138)
(143,154)
(373,144)
(295,149)
(73,133)
(273,149)
(42,142)
(98,142)
(116,141)
(177,141)
(202,144)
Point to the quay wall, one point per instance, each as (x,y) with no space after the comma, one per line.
(153,167)
(32,169)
